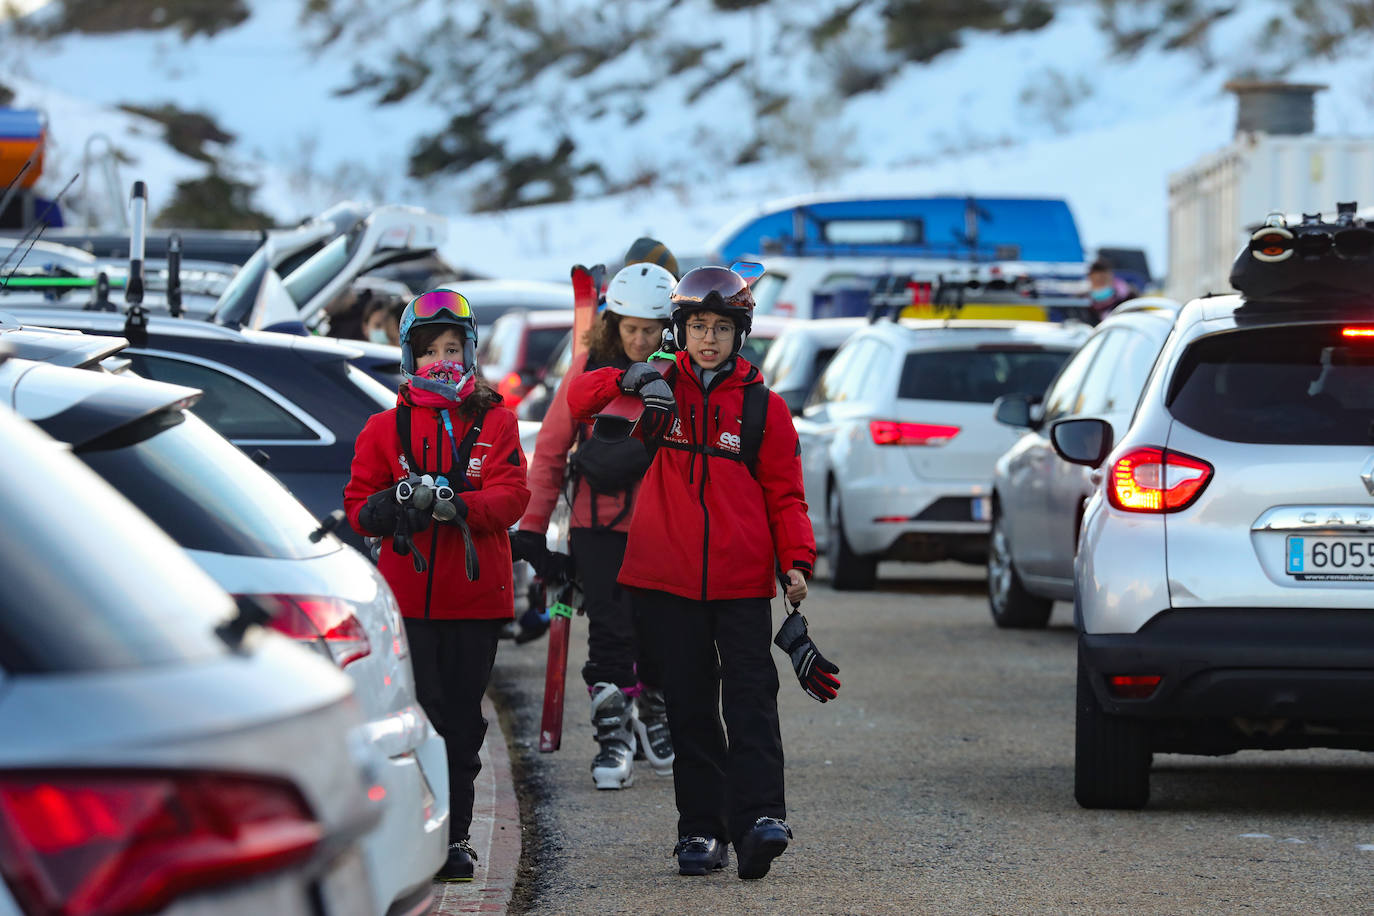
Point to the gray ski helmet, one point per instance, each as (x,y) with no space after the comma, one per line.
(438,306)
(645,250)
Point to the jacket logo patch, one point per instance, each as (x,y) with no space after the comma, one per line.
(474,467)
(676,432)
(730,441)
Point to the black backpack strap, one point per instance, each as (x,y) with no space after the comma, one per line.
(751,421)
(403,431)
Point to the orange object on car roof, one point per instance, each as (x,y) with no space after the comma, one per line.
(22,137)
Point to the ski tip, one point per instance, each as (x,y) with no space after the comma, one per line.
(578,269)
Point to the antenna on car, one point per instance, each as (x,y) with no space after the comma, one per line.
(36,230)
(174,274)
(136,318)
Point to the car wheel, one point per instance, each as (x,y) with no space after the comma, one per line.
(1111,754)
(1012,606)
(849,571)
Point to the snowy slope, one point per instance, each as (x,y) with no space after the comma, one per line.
(1047,112)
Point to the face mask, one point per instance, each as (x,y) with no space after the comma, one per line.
(441,384)
(379,335)
(1103,294)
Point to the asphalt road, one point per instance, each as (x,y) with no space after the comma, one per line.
(941,781)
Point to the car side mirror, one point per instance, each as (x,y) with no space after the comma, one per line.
(1015,410)
(1085,441)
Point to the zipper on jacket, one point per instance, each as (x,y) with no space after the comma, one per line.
(434,532)
(705,514)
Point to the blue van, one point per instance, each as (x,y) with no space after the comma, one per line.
(961,228)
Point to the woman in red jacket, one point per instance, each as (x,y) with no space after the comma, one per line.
(452,572)
(624,665)
(720,510)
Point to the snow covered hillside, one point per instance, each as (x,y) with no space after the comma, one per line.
(660,130)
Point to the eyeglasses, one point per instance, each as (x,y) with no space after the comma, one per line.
(698,331)
(432,303)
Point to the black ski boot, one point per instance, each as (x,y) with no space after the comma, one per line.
(760,845)
(655,741)
(459,866)
(700,855)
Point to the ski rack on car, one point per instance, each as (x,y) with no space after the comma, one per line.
(947,296)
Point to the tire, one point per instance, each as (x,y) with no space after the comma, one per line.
(1012,607)
(1112,754)
(849,571)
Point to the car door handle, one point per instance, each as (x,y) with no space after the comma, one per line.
(1095,475)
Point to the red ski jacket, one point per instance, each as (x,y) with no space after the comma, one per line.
(705,527)
(549,470)
(496,471)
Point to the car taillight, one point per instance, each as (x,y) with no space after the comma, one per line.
(1133,686)
(328,625)
(1358,333)
(512,389)
(890,432)
(107,843)
(1155,480)
(786,309)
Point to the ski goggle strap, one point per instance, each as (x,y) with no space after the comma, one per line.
(437,301)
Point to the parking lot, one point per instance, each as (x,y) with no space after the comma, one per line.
(941,780)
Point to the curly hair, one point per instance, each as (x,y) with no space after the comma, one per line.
(602,340)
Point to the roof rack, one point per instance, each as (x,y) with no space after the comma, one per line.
(1310,259)
(948,296)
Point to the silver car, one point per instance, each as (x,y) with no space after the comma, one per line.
(1037,497)
(160,754)
(898,438)
(1225,577)
(259,543)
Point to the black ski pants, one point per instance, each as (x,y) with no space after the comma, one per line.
(726,777)
(452,660)
(622,645)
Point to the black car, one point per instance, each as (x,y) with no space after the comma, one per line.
(296,404)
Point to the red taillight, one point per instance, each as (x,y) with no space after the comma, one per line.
(326,624)
(512,389)
(82,843)
(784,308)
(890,432)
(1153,480)
(1358,333)
(1133,686)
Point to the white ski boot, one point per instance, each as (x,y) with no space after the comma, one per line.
(651,725)
(613,714)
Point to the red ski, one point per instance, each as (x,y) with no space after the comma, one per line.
(586,283)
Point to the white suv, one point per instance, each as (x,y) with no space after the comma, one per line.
(1225,574)
(898,438)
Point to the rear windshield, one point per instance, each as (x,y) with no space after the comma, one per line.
(541,344)
(977,376)
(208,495)
(1295,385)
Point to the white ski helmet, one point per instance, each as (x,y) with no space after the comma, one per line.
(641,291)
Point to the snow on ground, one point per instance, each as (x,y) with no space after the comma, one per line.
(1048,113)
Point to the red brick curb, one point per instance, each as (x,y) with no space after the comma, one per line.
(495,833)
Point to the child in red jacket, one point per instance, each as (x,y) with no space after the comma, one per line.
(710,527)
(448,561)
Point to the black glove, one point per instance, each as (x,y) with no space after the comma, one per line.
(813,670)
(378,515)
(558,567)
(633,379)
(660,409)
(530,546)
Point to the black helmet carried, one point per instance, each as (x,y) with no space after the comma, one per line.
(712,289)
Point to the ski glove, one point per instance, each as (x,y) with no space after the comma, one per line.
(530,546)
(814,671)
(660,409)
(633,379)
(379,514)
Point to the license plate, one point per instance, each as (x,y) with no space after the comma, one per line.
(980,508)
(1330,559)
